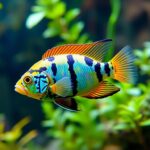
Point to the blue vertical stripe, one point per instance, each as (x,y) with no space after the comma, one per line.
(107,69)
(72,74)
(54,69)
(97,68)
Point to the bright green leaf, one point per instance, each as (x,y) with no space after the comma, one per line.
(147,50)
(65,36)
(48,123)
(121,126)
(34,19)
(38,9)
(76,29)
(138,53)
(53,30)
(72,116)
(47,109)
(94,114)
(134,91)
(72,14)
(58,134)
(138,117)
(57,11)
(50,32)
(83,39)
(70,130)
(54,1)
(12,136)
(145,123)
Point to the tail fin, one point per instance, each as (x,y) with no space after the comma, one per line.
(123,64)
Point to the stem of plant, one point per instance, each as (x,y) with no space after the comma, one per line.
(111,25)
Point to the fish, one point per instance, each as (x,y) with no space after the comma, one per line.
(67,71)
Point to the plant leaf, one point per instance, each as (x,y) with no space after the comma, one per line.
(72,14)
(76,29)
(50,32)
(34,19)
(145,123)
(57,11)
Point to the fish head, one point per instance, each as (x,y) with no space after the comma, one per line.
(34,85)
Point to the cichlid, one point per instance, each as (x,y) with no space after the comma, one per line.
(77,70)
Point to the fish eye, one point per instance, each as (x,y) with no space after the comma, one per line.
(27,80)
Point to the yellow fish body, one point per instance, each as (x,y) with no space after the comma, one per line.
(77,70)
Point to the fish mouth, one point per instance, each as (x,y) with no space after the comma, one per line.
(20,90)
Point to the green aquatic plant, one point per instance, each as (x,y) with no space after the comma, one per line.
(111,25)
(60,21)
(13,139)
(75,130)
(144,58)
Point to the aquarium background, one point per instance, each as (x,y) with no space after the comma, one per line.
(27,29)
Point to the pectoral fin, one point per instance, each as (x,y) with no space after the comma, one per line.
(67,103)
(103,90)
(62,87)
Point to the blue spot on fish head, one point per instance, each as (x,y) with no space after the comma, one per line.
(51,59)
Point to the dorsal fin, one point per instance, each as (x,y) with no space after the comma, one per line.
(94,50)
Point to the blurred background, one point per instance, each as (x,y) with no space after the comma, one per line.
(27,29)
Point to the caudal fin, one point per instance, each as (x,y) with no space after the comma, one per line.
(123,64)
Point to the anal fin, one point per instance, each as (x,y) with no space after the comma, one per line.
(67,103)
(103,90)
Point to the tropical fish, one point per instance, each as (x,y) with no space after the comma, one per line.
(71,70)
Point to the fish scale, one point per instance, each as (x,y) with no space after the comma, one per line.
(83,68)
